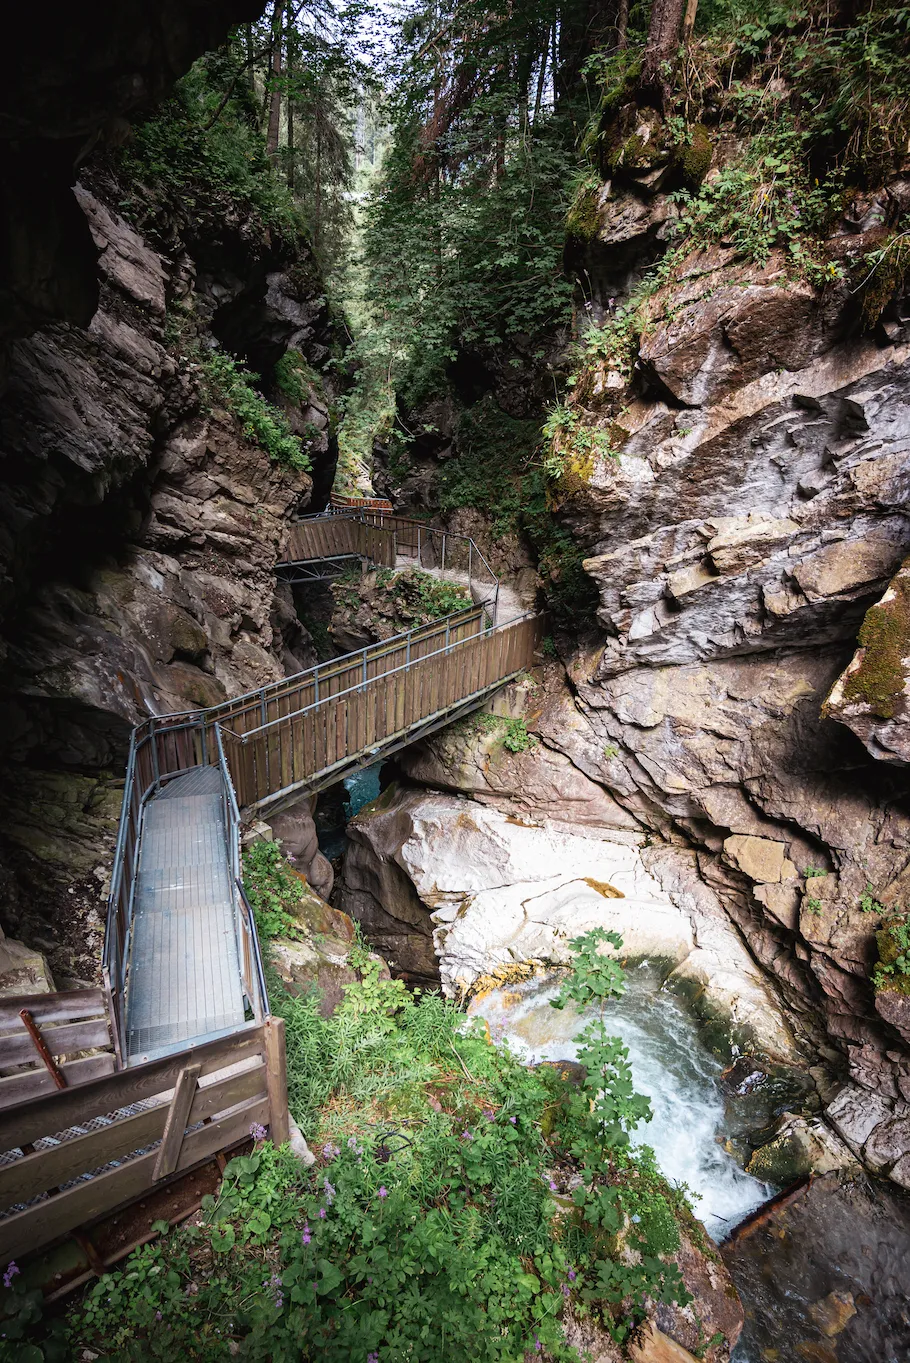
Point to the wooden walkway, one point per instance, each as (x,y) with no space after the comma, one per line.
(186,1059)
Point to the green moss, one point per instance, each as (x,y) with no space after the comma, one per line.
(695,156)
(885,640)
(893,969)
(295,378)
(887,270)
(583,218)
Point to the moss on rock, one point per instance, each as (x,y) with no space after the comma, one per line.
(884,637)
(695,156)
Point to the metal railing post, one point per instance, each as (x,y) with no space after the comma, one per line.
(448,627)
(263,708)
(364,667)
(153,739)
(442,569)
(419,559)
(470,564)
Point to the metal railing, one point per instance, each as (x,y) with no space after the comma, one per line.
(161,749)
(386,539)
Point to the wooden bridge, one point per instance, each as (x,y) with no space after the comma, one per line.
(194,1059)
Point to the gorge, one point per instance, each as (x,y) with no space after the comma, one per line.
(630,313)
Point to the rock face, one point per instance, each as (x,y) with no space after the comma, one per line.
(139,530)
(871,694)
(756,515)
(92,67)
(496,890)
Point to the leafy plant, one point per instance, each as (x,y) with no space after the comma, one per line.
(893,968)
(273,890)
(262,423)
(869,904)
(622,1207)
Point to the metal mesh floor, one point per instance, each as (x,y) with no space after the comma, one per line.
(184,981)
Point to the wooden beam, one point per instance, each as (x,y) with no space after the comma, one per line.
(59,1111)
(55,1217)
(276,1077)
(175,1126)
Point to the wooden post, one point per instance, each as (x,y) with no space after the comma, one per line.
(276,1080)
(175,1126)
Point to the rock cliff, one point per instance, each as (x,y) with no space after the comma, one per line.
(138,535)
(739,497)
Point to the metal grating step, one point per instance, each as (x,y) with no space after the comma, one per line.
(184,981)
(199,781)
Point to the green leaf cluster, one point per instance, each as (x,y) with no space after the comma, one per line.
(273,890)
(262,422)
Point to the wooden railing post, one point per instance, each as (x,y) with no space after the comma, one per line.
(277,1080)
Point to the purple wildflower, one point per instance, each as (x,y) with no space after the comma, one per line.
(329,1191)
(330,1150)
(488,1115)
(383,1190)
(553,1188)
(513,1120)
(257,1132)
(537,1345)
(466,1135)
(12,1269)
(158,1315)
(566,1289)
(373,1357)
(572,1275)
(322,1213)
(306,1237)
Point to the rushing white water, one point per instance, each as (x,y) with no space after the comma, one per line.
(671,1065)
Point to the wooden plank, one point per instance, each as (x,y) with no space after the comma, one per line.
(175,1125)
(276,1078)
(60,1040)
(74,1003)
(30,1084)
(34,1174)
(58,1111)
(49,1220)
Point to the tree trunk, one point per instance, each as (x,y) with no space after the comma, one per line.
(663,40)
(622,24)
(290,55)
(275,93)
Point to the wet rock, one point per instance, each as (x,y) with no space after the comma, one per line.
(491,889)
(824,1273)
(800,1147)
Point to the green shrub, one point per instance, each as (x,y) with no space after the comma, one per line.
(272,889)
(893,968)
(176,163)
(262,423)
(437,1221)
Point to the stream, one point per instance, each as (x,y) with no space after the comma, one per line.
(671,1065)
(823,1275)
